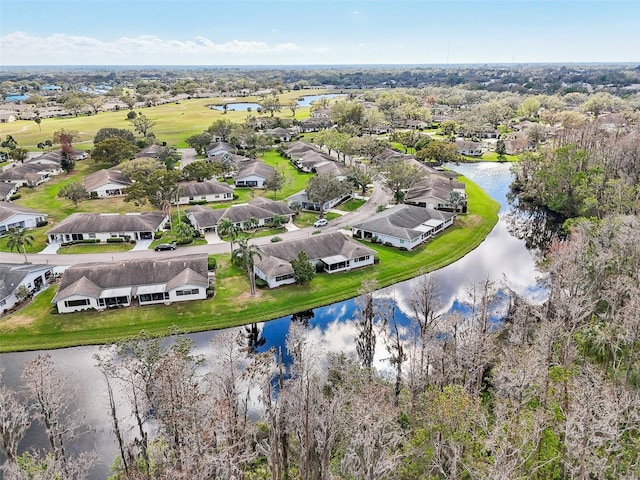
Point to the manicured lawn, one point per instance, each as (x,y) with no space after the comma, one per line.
(39,241)
(38,327)
(174,121)
(493,157)
(351,205)
(96,248)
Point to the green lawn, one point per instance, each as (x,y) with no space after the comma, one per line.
(351,205)
(174,122)
(96,248)
(39,327)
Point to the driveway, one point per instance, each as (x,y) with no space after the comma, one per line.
(188,156)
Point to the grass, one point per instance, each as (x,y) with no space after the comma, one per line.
(37,326)
(351,205)
(95,248)
(174,122)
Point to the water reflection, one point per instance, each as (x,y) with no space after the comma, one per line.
(508,257)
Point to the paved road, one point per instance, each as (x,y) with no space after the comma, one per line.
(188,156)
(379,197)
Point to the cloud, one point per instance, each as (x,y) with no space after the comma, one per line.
(23,49)
(355,12)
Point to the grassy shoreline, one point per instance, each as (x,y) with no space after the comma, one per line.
(37,327)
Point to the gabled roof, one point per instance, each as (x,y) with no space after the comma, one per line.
(259,169)
(317,247)
(208,187)
(204,216)
(22,171)
(299,147)
(8,210)
(104,177)
(274,267)
(432,186)
(389,153)
(220,147)
(467,145)
(12,275)
(402,221)
(327,168)
(241,213)
(6,188)
(278,207)
(109,222)
(90,279)
(152,151)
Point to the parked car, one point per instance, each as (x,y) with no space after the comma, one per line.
(320,222)
(165,246)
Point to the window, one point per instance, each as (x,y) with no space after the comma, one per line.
(284,277)
(77,303)
(92,235)
(192,291)
(3,302)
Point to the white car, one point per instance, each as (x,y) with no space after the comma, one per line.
(320,222)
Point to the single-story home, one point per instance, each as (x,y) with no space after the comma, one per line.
(332,252)
(102,226)
(282,134)
(105,183)
(301,200)
(307,161)
(14,216)
(132,282)
(152,151)
(389,154)
(206,219)
(254,175)
(29,174)
(296,149)
(471,149)
(432,191)
(12,276)
(7,190)
(312,124)
(206,191)
(403,226)
(220,149)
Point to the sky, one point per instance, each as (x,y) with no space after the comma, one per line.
(317,32)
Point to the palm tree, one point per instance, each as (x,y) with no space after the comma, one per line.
(18,238)
(227,227)
(243,256)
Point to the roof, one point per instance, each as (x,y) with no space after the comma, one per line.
(6,188)
(208,187)
(241,213)
(316,247)
(220,147)
(402,221)
(109,222)
(12,275)
(23,171)
(327,168)
(299,147)
(152,151)
(204,216)
(432,186)
(91,279)
(8,210)
(103,177)
(466,145)
(279,207)
(274,267)
(259,169)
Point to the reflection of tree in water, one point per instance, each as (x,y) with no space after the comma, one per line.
(253,335)
(536,225)
(303,317)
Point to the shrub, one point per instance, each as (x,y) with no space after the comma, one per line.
(158,235)
(276,239)
(115,240)
(184,241)
(15,196)
(260,283)
(381,208)
(212,263)
(42,223)
(91,240)
(93,195)
(316,232)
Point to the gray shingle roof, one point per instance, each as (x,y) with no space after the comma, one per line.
(102,177)
(204,216)
(11,275)
(6,188)
(8,210)
(400,221)
(278,207)
(107,222)
(90,279)
(260,169)
(208,187)
(432,186)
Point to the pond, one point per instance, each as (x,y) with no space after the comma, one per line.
(501,257)
(248,106)
(309,99)
(16,97)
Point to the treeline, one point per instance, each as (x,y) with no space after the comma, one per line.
(549,393)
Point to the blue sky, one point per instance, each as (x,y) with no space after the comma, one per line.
(316,32)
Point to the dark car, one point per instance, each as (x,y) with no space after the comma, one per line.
(165,246)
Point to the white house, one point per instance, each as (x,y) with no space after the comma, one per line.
(301,200)
(207,191)
(106,183)
(13,276)
(254,175)
(332,252)
(102,226)
(403,226)
(7,190)
(14,216)
(471,149)
(129,282)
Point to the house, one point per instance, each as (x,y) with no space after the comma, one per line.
(13,276)
(518,143)
(152,151)
(102,226)
(26,173)
(7,117)
(106,183)
(320,112)
(261,209)
(7,190)
(220,149)
(404,226)
(332,252)
(432,191)
(470,149)
(282,134)
(129,282)
(207,191)
(389,154)
(254,175)
(297,149)
(314,124)
(301,201)
(307,161)
(14,216)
